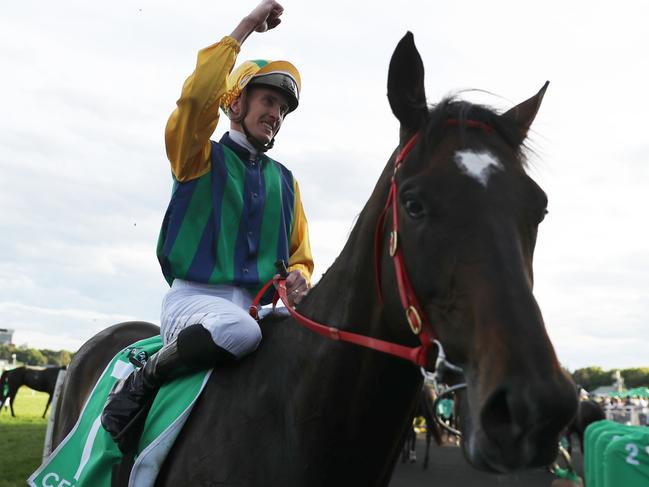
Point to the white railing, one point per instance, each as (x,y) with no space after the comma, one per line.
(631,415)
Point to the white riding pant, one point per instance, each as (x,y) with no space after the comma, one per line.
(221,309)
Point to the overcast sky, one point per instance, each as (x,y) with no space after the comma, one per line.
(87,88)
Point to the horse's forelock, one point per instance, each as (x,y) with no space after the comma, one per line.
(454,108)
(451,107)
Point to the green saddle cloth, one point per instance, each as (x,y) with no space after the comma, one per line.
(87,455)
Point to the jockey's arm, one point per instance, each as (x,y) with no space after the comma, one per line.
(300,263)
(192,123)
(300,257)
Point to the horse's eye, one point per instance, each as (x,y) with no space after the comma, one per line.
(414,208)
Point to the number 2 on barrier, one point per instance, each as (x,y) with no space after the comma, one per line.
(632,448)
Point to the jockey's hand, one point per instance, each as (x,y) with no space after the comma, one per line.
(265,16)
(296,287)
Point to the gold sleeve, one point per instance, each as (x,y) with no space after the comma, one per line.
(300,257)
(193,121)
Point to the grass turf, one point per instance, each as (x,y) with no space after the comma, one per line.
(22,437)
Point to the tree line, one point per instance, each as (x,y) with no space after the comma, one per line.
(34,356)
(591,378)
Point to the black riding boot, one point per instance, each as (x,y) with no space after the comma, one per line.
(193,350)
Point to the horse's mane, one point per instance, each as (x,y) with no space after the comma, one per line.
(453,107)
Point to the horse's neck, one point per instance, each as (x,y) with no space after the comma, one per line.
(348,407)
(344,299)
(346,296)
(360,389)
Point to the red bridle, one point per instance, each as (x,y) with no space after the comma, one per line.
(415,316)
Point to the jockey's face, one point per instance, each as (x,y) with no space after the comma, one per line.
(266,110)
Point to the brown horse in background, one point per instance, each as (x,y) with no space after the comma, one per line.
(43,380)
(305,410)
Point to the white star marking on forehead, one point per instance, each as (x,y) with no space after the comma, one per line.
(478,165)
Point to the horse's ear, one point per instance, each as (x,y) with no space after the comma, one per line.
(524,113)
(406,86)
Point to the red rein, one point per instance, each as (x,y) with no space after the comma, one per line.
(416,355)
(415,316)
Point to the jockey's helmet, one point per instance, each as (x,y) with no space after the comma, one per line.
(276,74)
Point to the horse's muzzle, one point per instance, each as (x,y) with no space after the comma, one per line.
(519,428)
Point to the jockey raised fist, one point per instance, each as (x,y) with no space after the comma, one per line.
(263,17)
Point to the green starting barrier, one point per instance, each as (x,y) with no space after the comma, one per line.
(616,455)
(590,435)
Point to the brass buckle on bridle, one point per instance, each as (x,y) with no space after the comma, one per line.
(393,242)
(414,320)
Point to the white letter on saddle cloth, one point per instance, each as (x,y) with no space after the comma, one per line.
(87,448)
(478,165)
(121,370)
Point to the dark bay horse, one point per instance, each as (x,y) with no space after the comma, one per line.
(42,380)
(304,410)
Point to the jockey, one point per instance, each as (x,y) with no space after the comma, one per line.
(234,212)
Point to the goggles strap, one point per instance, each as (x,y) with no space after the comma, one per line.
(255,142)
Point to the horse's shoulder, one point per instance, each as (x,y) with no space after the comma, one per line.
(270,322)
(251,376)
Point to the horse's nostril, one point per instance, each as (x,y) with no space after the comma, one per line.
(497,419)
